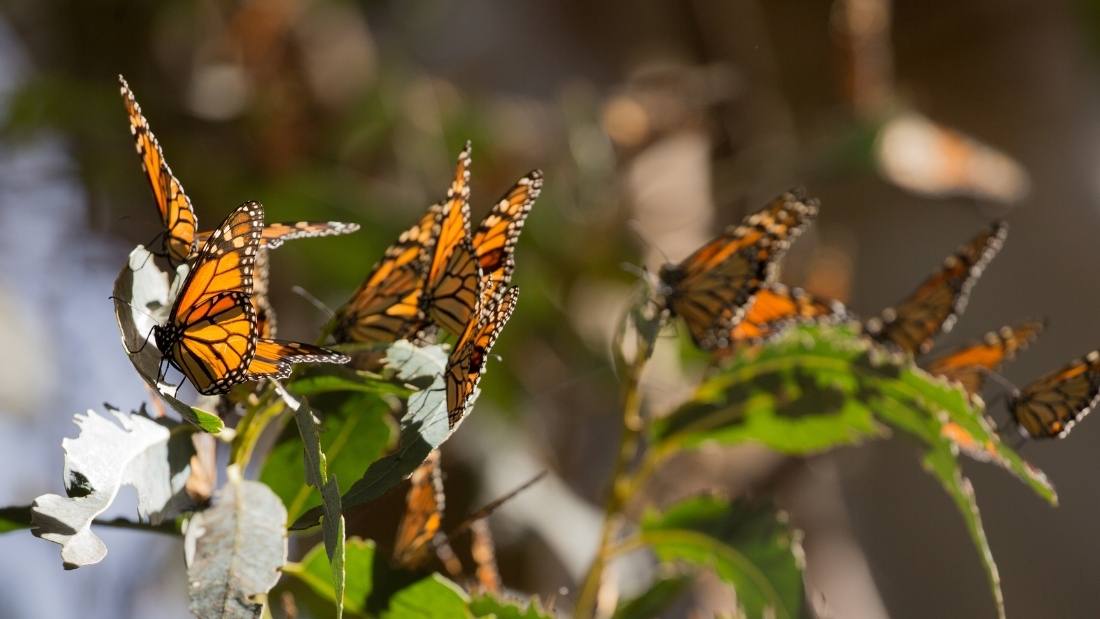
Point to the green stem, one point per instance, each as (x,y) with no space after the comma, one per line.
(252,426)
(621,487)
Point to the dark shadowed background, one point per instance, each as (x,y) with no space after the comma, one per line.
(655,122)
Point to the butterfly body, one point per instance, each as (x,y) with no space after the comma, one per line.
(710,289)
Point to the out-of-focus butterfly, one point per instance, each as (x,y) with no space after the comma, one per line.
(1053,404)
(386,307)
(776,307)
(423,518)
(211,334)
(466,363)
(483,551)
(181,236)
(935,305)
(711,288)
(970,364)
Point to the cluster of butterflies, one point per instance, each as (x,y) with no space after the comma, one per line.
(437,275)
(727,296)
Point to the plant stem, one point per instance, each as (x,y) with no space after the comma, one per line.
(251,427)
(621,488)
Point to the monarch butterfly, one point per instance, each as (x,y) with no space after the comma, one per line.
(466,362)
(495,238)
(453,279)
(211,333)
(176,213)
(181,236)
(423,518)
(935,305)
(777,306)
(968,365)
(712,286)
(1053,404)
(386,307)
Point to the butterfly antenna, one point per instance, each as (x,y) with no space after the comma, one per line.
(491,506)
(996,377)
(635,226)
(314,301)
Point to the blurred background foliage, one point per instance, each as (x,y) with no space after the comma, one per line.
(655,123)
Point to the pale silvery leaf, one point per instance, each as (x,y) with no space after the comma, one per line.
(235,550)
(131,450)
(143,299)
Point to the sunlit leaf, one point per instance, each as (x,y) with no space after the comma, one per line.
(339,378)
(235,550)
(487,605)
(424,426)
(751,547)
(110,452)
(432,597)
(353,435)
(317,475)
(315,572)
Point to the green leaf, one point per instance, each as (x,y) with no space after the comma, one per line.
(235,550)
(424,426)
(315,572)
(339,378)
(749,547)
(486,605)
(143,298)
(316,471)
(654,600)
(942,464)
(15,518)
(434,597)
(799,394)
(353,435)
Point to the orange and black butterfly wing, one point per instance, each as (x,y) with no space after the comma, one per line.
(467,360)
(970,364)
(423,518)
(496,237)
(777,306)
(275,358)
(266,320)
(1052,405)
(710,288)
(386,307)
(176,213)
(935,306)
(225,262)
(274,235)
(211,331)
(452,290)
(216,342)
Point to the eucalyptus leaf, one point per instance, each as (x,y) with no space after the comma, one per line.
(314,570)
(152,456)
(424,426)
(317,475)
(340,378)
(143,295)
(430,598)
(235,550)
(486,605)
(355,433)
(751,547)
